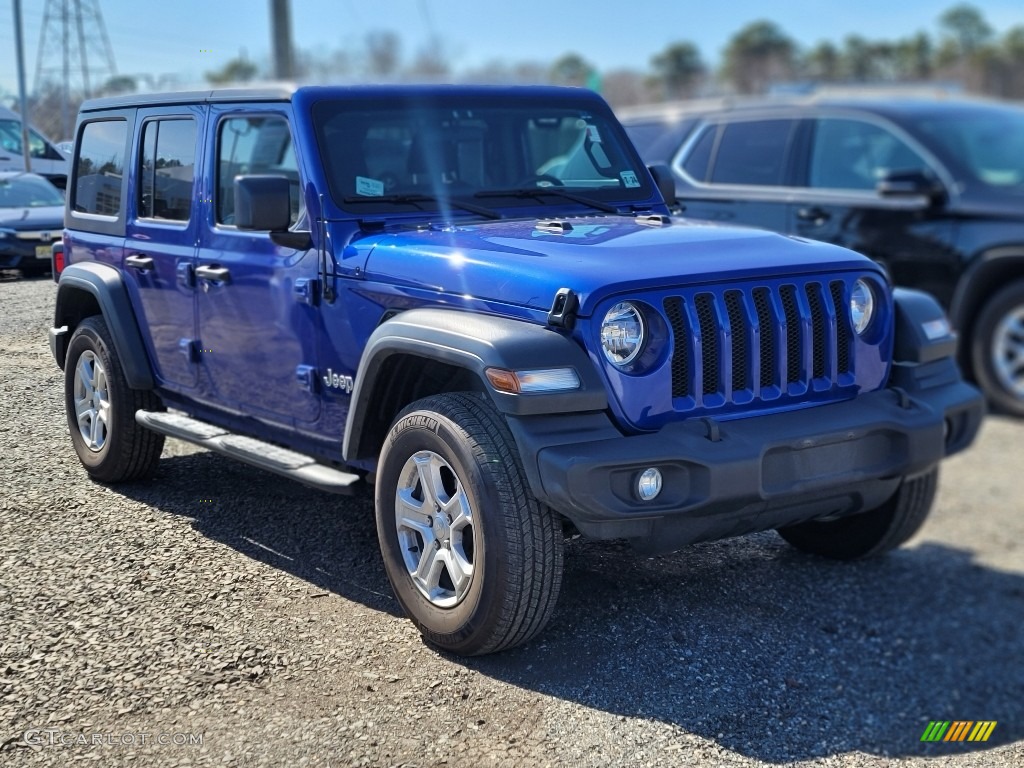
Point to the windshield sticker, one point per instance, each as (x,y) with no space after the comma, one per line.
(369,187)
(593,134)
(629,179)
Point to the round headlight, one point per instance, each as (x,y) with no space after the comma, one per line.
(862,305)
(622,333)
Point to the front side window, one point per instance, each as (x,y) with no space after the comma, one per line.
(853,154)
(753,152)
(386,156)
(167,172)
(100,168)
(254,145)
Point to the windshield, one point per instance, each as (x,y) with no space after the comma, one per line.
(985,143)
(390,156)
(28,192)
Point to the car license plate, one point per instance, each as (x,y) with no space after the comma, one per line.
(43,251)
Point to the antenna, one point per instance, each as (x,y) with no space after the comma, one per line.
(86,58)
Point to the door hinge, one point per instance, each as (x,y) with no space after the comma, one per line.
(188,348)
(307,290)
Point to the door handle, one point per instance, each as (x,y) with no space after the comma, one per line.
(214,273)
(814,213)
(139,262)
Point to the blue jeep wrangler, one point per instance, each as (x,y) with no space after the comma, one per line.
(475,299)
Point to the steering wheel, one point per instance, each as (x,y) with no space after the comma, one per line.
(536,181)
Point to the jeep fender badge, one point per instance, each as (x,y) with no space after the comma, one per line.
(339,382)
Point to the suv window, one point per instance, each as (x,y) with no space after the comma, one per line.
(752,152)
(100,168)
(697,162)
(167,170)
(10,141)
(853,154)
(254,145)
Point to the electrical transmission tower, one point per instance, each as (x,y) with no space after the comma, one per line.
(85,60)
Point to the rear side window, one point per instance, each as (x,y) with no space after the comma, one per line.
(100,168)
(167,173)
(254,145)
(753,152)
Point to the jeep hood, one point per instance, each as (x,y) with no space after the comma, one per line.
(518,262)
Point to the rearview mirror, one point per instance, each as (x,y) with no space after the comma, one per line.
(910,184)
(262,203)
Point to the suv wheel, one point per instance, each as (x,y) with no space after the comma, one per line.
(870,533)
(997,349)
(473,558)
(101,409)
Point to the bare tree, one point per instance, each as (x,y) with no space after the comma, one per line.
(625,87)
(237,70)
(383,53)
(431,61)
(571,69)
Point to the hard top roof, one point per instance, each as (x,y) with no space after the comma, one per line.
(279,93)
(286,92)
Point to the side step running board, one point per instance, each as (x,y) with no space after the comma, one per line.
(255,452)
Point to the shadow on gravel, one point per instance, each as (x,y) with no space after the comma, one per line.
(779,656)
(771,654)
(327,540)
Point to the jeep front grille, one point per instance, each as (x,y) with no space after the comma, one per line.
(761,342)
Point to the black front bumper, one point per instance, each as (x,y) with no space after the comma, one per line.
(732,477)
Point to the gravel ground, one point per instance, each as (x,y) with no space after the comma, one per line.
(222,604)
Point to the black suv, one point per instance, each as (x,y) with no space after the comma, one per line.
(931,189)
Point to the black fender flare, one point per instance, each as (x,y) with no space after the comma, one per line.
(986,269)
(474,342)
(104,284)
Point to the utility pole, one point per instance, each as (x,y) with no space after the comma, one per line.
(23,100)
(281,32)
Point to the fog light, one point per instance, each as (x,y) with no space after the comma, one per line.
(649,484)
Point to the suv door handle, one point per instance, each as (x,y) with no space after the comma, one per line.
(214,273)
(139,262)
(814,213)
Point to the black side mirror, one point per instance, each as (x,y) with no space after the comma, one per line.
(662,176)
(262,203)
(910,184)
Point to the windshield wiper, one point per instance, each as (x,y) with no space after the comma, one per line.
(420,198)
(539,192)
